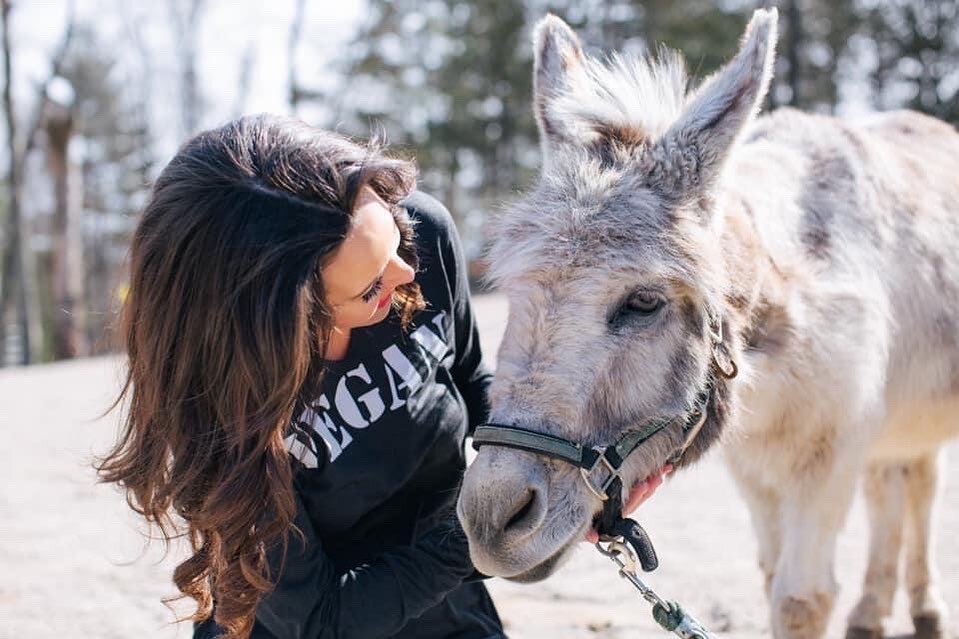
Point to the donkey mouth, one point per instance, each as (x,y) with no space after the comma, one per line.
(546,567)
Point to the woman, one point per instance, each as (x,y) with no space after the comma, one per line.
(304,366)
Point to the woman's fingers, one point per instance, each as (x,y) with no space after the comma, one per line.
(641,492)
(645,489)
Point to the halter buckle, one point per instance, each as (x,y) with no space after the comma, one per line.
(603,491)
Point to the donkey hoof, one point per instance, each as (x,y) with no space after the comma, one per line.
(928,627)
(803,618)
(855,632)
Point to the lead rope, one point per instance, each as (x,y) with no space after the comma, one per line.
(629,543)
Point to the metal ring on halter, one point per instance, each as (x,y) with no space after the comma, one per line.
(603,491)
(724,362)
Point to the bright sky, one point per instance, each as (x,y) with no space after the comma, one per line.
(229,29)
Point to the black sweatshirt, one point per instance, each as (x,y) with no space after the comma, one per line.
(378,460)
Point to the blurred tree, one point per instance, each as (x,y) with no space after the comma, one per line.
(916,55)
(813,39)
(447,81)
(185,20)
(485,78)
(247,64)
(706,32)
(18,280)
(450,81)
(62,264)
(115,157)
(296,92)
(13,285)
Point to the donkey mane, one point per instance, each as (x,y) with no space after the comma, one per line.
(629,98)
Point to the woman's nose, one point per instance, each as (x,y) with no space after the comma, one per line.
(402,273)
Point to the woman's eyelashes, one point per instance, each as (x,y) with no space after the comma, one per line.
(374,291)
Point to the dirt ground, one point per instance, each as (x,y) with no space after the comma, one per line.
(73,561)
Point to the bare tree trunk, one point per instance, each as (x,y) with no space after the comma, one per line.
(247,62)
(186,31)
(13,285)
(134,33)
(18,284)
(297,93)
(65,263)
(293,43)
(191,90)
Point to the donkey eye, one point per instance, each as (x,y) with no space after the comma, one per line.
(639,307)
(644,303)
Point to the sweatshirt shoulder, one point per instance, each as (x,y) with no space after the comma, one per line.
(431,217)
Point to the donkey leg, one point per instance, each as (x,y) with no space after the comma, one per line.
(764,511)
(884,488)
(815,504)
(925,602)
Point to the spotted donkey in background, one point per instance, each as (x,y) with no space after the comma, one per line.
(826,250)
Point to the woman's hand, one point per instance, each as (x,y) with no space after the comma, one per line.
(637,495)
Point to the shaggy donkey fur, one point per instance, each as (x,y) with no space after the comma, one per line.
(827,247)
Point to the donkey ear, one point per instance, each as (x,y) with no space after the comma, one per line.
(558,68)
(720,109)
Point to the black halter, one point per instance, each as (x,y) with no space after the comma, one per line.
(589,458)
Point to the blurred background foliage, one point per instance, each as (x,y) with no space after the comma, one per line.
(444,81)
(451,80)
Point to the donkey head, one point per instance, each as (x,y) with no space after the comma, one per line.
(615,279)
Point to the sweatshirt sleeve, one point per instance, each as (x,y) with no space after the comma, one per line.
(311,600)
(470,373)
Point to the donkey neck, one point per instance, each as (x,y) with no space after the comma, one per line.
(758,286)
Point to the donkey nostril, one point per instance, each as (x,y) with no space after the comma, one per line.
(523,512)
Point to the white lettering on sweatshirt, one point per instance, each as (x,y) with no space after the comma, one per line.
(359,403)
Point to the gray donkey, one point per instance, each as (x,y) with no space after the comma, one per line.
(673,234)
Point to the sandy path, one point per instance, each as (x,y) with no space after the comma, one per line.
(72,561)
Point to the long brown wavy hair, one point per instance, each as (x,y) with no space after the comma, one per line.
(224,327)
